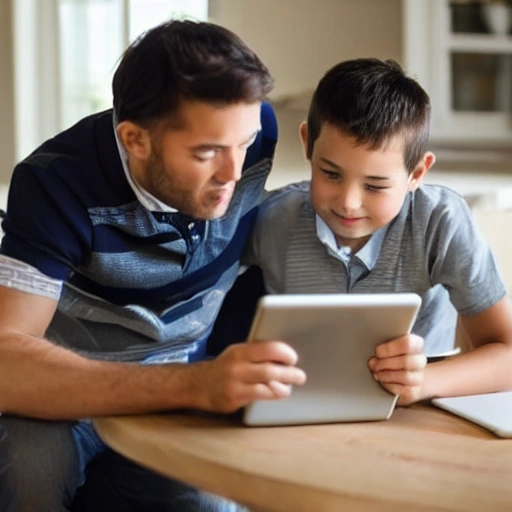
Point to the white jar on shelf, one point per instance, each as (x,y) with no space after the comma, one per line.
(497,17)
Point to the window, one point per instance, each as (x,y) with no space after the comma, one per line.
(66,52)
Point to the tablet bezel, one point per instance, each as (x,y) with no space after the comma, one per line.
(282,316)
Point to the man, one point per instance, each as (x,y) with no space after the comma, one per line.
(122,236)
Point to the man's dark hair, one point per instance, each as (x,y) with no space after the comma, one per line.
(186,60)
(373,101)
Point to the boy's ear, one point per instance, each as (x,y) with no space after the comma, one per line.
(135,140)
(303,132)
(416,177)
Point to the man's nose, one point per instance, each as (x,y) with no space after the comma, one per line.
(230,168)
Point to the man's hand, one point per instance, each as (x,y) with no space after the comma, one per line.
(399,366)
(248,371)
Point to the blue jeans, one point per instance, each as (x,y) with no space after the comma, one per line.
(48,466)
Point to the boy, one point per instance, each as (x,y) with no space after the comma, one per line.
(366,224)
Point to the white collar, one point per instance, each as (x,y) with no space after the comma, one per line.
(367,255)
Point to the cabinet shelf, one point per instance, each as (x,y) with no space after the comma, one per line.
(480,43)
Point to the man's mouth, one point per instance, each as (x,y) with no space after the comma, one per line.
(222,195)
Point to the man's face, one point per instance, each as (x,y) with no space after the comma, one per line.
(194,165)
(356,190)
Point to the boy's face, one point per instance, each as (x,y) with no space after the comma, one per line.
(194,165)
(356,190)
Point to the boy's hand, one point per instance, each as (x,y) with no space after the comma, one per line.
(249,371)
(399,366)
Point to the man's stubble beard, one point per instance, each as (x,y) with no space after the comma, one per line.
(184,201)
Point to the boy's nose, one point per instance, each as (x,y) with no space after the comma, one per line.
(350,199)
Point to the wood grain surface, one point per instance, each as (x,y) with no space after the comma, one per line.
(422,459)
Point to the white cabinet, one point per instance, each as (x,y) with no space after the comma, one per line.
(461,53)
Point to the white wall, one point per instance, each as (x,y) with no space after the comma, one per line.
(297,39)
(6,93)
(300,39)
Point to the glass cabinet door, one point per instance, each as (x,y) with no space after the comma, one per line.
(480,56)
(465,64)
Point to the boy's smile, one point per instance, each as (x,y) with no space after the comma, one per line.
(350,221)
(357,190)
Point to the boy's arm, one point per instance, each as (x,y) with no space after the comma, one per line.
(401,368)
(486,368)
(40,379)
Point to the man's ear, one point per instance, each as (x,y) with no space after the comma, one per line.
(135,140)
(417,176)
(303,132)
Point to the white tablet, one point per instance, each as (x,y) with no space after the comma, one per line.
(492,411)
(334,335)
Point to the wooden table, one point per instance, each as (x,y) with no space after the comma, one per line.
(422,459)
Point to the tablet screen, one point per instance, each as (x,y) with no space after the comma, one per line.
(334,336)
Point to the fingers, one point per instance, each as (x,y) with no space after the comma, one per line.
(399,366)
(238,393)
(262,361)
(412,362)
(407,384)
(276,351)
(252,371)
(279,389)
(270,380)
(409,344)
(404,353)
(406,395)
(271,390)
(405,370)
(272,372)
(401,377)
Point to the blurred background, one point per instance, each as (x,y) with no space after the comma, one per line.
(57,58)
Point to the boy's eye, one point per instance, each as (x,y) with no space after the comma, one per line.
(332,175)
(374,188)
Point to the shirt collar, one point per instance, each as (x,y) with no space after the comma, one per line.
(145,198)
(367,255)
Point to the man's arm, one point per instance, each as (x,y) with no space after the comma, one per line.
(40,379)
(401,368)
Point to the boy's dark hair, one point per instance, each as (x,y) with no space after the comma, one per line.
(186,60)
(373,101)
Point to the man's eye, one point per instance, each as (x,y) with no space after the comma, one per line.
(203,156)
(249,143)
